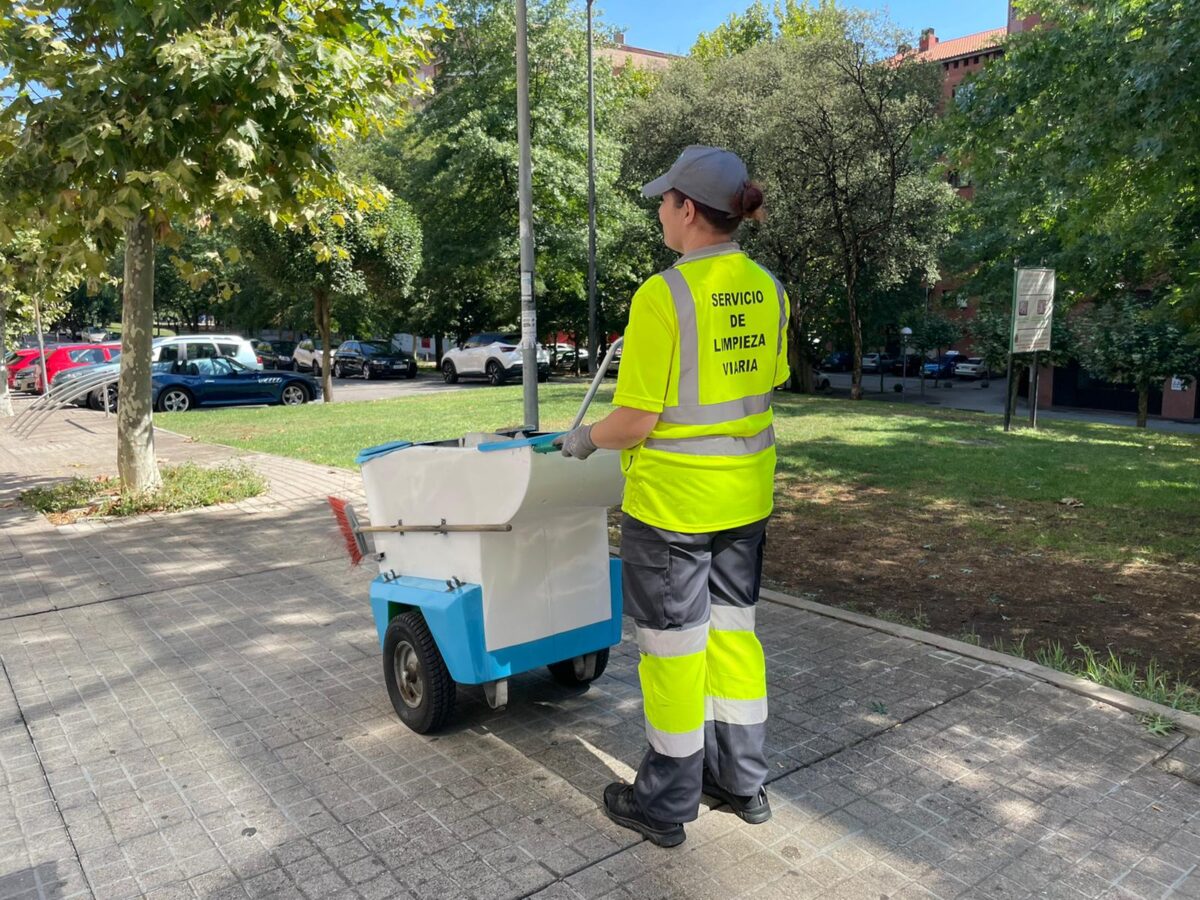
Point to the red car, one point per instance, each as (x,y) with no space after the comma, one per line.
(71,356)
(17,360)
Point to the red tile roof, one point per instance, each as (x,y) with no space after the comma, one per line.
(964,46)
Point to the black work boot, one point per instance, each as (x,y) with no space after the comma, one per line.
(622,807)
(755,809)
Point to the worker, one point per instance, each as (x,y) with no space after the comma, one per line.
(704,348)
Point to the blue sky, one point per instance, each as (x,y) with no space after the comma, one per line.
(672,25)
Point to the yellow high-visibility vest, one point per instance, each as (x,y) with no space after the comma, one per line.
(705,346)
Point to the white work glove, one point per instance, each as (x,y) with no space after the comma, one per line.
(577,443)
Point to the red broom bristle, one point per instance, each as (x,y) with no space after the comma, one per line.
(338,505)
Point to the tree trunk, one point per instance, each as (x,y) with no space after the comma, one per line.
(796,383)
(136,463)
(856,388)
(6,407)
(437,349)
(323,323)
(1143,405)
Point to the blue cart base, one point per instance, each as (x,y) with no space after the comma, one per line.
(454,616)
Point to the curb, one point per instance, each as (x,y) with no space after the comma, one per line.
(1185,721)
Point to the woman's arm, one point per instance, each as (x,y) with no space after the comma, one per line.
(623,428)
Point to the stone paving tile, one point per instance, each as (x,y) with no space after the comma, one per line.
(236,732)
(1013,790)
(86,564)
(1184,761)
(223,732)
(37,859)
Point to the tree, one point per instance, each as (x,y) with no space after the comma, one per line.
(129,120)
(1081,146)
(831,128)
(759,25)
(365,285)
(460,152)
(1126,341)
(30,295)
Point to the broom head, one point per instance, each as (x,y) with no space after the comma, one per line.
(356,541)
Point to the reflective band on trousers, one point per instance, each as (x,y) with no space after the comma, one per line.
(673,642)
(715,445)
(735,712)
(678,744)
(731,618)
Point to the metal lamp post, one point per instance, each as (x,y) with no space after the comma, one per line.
(905,334)
(593,342)
(525,205)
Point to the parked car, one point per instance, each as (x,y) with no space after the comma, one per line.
(877,362)
(94,335)
(908,365)
(31,378)
(494,356)
(95,398)
(308,354)
(206,346)
(17,360)
(275,354)
(820,380)
(838,361)
(372,359)
(942,367)
(222,381)
(971,368)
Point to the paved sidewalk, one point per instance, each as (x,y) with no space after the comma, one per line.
(192,706)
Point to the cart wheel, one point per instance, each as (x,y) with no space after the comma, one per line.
(575,671)
(418,682)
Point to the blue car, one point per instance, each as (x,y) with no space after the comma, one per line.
(943,367)
(180,385)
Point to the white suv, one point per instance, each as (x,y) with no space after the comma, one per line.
(308,354)
(205,346)
(494,356)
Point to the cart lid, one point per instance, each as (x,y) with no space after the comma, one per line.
(380,450)
(537,441)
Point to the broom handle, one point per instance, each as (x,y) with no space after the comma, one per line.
(600,373)
(432,529)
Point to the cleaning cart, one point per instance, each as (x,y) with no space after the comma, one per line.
(493,561)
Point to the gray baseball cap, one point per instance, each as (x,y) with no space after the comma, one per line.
(709,175)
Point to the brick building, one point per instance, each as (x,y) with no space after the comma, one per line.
(1068,385)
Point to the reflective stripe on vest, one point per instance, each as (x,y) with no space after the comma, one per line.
(689,410)
(716,444)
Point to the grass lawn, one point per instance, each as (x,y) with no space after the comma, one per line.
(934,517)
(1131,495)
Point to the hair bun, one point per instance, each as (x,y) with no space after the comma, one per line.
(747,203)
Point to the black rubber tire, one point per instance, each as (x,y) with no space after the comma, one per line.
(435,704)
(337,370)
(316,370)
(95,400)
(543,377)
(449,373)
(412,371)
(163,396)
(303,389)
(564,672)
(366,372)
(494,372)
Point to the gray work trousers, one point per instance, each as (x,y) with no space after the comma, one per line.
(702,669)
